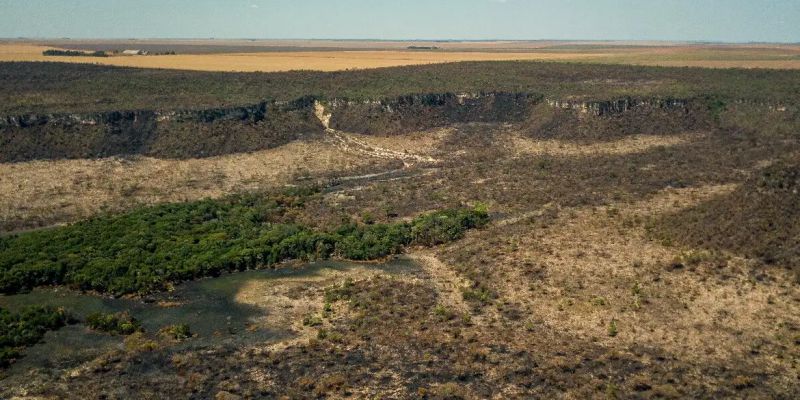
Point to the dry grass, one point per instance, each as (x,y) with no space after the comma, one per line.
(730,56)
(596,265)
(283,61)
(559,274)
(66,190)
(624,146)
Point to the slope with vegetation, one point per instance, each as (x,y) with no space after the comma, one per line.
(759,220)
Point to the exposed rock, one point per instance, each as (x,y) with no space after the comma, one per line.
(424,111)
(605,108)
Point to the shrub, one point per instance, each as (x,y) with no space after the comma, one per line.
(480,295)
(177,332)
(612,328)
(116,324)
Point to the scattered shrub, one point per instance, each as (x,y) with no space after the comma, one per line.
(312,320)
(138,342)
(177,332)
(612,328)
(117,324)
(480,295)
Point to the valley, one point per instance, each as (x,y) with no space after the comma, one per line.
(515,229)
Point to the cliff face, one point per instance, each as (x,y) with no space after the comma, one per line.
(210,132)
(599,120)
(557,117)
(173,134)
(425,111)
(619,106)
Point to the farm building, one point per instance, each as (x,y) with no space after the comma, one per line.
(134,52)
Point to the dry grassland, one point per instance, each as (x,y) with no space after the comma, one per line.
(627,145)
(67,190)
(775,57)
(600,268)
(283,61)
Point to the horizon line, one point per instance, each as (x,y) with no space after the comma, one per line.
(665,41)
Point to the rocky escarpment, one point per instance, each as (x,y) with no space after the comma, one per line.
(112,119)
(618,106)
(608,119)
(539,116)
(424,111)
(170,134)
(209,132)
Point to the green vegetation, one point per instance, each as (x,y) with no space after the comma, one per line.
(148,249)
(177,332)
(74,53)
(19,330)
(117,324)
(612,328)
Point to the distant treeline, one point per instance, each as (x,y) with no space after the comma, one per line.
(423,48)
(74,53)
(77,87)
(146,250)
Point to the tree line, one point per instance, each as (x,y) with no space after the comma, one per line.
(74,53)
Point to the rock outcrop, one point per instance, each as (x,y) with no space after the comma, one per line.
(424,111)
(618,106)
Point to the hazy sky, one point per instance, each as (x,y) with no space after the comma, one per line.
(712,20)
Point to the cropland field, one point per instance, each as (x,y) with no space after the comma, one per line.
(471,230)
(323,56)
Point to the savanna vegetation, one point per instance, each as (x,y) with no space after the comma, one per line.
(56,87)
(148,249)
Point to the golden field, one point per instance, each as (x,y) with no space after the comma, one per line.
(333,59)
(336,60)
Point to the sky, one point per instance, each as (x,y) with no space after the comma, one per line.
(674,20)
